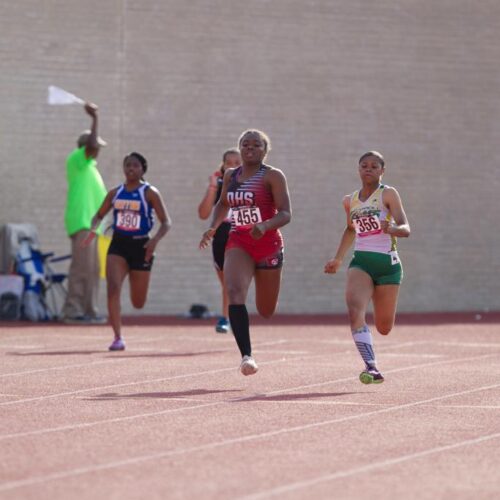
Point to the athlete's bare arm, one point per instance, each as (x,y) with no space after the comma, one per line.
(333,265)
(220,211)
(207,203)
(105,207)
(400,226)
(276,183)
(155,199)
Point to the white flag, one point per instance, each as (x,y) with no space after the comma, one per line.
(60,96)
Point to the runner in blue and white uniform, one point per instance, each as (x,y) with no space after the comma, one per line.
(375,217)
(131,251)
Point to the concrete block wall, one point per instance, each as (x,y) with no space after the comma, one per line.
(327,80)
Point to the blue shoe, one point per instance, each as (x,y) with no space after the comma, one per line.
(222,325)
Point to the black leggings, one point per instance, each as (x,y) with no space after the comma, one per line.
(219,244)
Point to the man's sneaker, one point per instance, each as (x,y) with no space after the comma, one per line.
(248,366)
(98,320)
(371,376)
(117,345)
(77,320)
(222,325)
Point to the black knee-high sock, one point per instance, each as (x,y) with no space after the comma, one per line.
(238,317)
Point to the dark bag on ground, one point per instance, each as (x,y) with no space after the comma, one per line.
(10,306)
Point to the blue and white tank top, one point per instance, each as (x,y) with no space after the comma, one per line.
(132,214)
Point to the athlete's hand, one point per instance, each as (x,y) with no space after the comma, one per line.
(88,239)
(387,227)
(150,247)
(332,266)
(258,230)
(207,238)
(213,179)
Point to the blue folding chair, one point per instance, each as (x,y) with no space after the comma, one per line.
(44,289)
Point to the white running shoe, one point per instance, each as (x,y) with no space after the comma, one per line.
(117,345)
(248,366)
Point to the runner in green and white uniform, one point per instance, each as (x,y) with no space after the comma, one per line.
(374,251)
(375,218)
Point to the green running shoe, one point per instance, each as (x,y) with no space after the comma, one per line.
(371,376)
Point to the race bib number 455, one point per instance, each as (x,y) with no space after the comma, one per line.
(246,216)
(367,225)
(127,220)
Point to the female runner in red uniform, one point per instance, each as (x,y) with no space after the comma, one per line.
(260,203)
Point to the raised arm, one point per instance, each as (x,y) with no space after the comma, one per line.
(92,146)
(219,213)
(207,203)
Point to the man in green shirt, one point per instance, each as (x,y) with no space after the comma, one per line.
(86,192)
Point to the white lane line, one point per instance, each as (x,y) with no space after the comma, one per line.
(299,485)
(310,402)
(220,370)
(353,403)
(13,346)
(108,421)
(281,351)
(395,370)
(470,407)
(107,360)
(413,355)
(162,412)
(227,442)
(140,382)
(63,367)
(468,344)
(402,345)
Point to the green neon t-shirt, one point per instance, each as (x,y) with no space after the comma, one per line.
(86,191)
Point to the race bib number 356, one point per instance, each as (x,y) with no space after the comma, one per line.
(246,216)
(367,225)
(128,221)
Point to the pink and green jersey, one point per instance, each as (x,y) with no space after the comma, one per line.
(366,216)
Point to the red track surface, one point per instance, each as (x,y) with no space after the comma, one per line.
(172,418)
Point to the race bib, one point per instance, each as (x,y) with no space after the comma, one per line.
(394,257)
(127,220)
(246,216)
(367,225)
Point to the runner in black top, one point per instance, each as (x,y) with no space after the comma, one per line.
(230,159)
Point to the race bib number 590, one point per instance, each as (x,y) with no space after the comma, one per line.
(128,221)
(367,225)
(246,216)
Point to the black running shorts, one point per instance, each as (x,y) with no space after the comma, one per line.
(132,250)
